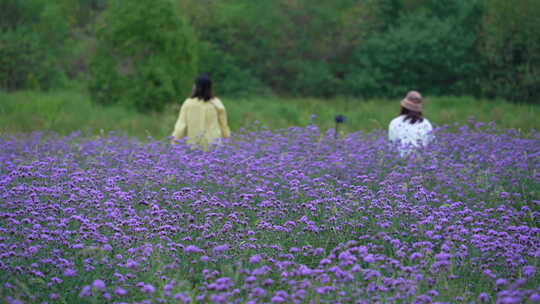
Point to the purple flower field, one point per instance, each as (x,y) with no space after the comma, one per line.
(287,216)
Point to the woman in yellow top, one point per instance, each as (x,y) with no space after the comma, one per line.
(202,117)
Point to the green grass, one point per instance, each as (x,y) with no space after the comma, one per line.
(67,111)
(64,112)
(376,114)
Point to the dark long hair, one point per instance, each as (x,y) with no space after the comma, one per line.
(203,88)
(412,116)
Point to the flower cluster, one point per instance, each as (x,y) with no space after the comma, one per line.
(287,216)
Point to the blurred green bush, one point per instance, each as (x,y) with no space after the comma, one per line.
(33,38)
(145,53)
(433,54)
(145,56)
(510,44)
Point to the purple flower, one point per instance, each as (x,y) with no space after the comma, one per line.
(324,262)
(86,291)
(258,292)
(147,288)
(369,258)
(443,256)
(346,257)
(415,256)
(483,297)
(305,271)
(528,271)
(277,299)
(490,274)
(183,298)
(130,263)
(70,272)
(119,204)
(192,249)
(120,291)
(254,259)
(221,248)
(98,284)
(251,279)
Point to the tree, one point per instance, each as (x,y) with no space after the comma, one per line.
(34,36)
(511,46)
(145,55)
(432,54)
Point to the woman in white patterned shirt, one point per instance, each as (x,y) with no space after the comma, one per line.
(410,129)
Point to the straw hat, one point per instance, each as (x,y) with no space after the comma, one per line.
(412,102)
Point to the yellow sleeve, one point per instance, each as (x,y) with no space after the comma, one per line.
(222,117)
(180,128)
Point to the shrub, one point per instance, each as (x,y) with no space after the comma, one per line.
(229,79)
(431,54)
(511,46)
(33,39)
(312,78)
(145,56)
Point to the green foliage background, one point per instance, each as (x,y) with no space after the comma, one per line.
(33,39)
(145,54)
(511,48)
(434,54)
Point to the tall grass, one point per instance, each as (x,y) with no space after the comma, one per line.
(376,114)
(67,111)
(64,112)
